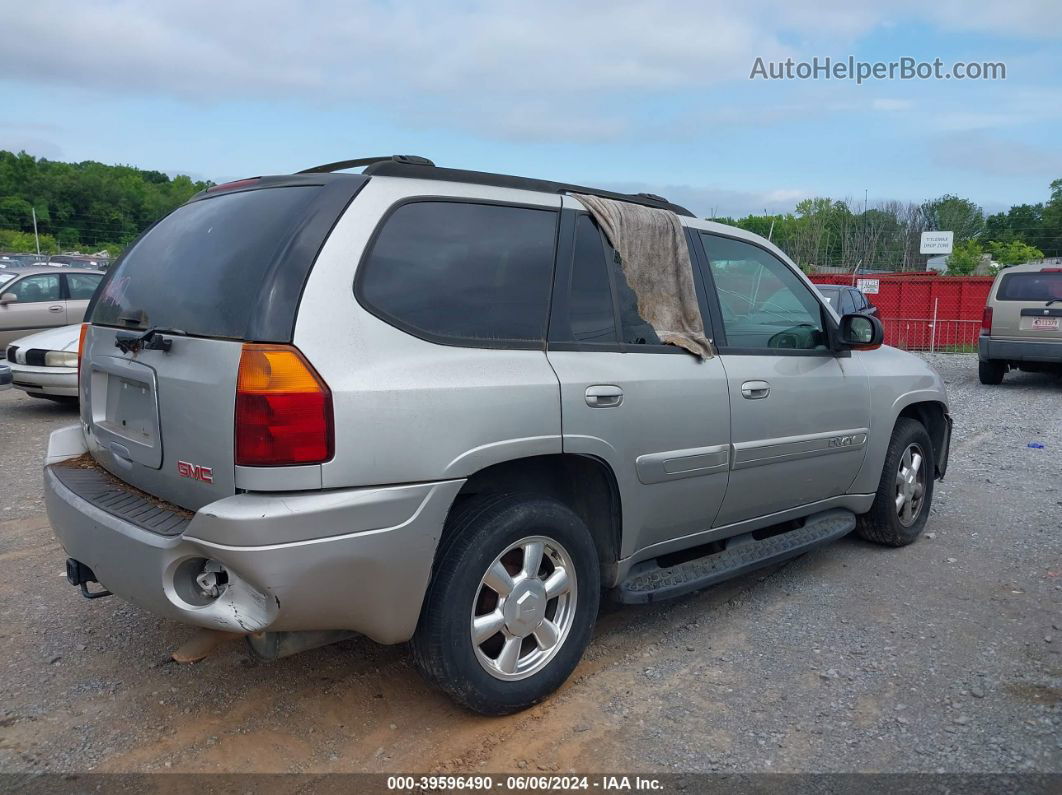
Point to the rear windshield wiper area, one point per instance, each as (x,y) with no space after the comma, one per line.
(150,340)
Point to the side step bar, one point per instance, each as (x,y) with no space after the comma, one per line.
(653,583)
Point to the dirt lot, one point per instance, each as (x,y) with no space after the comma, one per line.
(943,656)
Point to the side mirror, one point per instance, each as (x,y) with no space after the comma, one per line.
(8,298)
(862,332)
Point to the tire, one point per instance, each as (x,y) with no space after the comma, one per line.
(886,523)
(496,677)
(991,372)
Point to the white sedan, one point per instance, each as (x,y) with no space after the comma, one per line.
(44,364)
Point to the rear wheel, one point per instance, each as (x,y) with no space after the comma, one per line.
(991,372)
(511,605)
(905,492)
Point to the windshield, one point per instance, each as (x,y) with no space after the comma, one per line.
(6,277)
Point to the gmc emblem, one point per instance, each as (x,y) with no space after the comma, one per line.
(195,472)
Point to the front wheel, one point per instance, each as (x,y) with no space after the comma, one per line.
(905,492)
(512,602)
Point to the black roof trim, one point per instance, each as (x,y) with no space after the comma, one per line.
(394,167)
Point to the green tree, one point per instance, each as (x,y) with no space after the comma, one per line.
(87,205)
(953,214)
(1014,252)
(964,258)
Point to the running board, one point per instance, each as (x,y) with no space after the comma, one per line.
(653,583)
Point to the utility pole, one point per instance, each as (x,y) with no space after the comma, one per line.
(35,235)
(863,259)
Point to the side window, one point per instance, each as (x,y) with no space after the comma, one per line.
(847,302)
(32,289)
(81,286)
(590,311)
(462,270)
(634,330)
(764,303)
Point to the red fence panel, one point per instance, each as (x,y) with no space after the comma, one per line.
(925,311)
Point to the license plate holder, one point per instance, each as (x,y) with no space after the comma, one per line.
(1046,323)
(125,415)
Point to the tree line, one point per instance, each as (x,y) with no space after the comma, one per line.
(87,206)
(823,232)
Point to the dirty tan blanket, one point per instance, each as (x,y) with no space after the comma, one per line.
(656,262)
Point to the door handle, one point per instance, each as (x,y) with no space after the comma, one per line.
(603,396)
(56,308)
(755,390)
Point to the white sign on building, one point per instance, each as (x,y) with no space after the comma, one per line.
(936,242)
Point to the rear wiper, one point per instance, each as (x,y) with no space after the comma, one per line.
(1052,301)
(150,340)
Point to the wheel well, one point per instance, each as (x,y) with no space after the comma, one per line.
(586,485)
(931,415)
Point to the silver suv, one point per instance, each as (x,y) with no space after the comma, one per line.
(1022,323)
(421,404)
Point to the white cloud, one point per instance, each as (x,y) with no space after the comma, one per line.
(551,70)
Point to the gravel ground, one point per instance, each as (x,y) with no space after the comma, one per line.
(942,656)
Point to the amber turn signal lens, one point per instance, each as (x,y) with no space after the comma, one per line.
(283,409)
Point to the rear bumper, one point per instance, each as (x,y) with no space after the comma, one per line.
(59,381)
(365,568)
(1019,350)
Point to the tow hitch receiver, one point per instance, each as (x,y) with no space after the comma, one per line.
(77,573)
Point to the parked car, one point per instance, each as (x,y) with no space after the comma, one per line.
(5,377)
(421,404)
(42,297)
(1021,327)
(845,300)
(22,260)
(78,261)
(44,364)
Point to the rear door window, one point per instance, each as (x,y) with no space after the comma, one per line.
(463,272)
(590,307)
(200,269)
(1034,286)
(634,329)
(81,286)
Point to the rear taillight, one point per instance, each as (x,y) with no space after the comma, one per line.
(81,348)
(283,409)
(986,322)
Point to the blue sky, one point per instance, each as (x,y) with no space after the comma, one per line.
(630,95)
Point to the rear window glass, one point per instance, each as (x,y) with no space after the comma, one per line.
(464,271)
(199,270)
(1035,286)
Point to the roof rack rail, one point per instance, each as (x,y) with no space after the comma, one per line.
(413,168)
(339,165)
